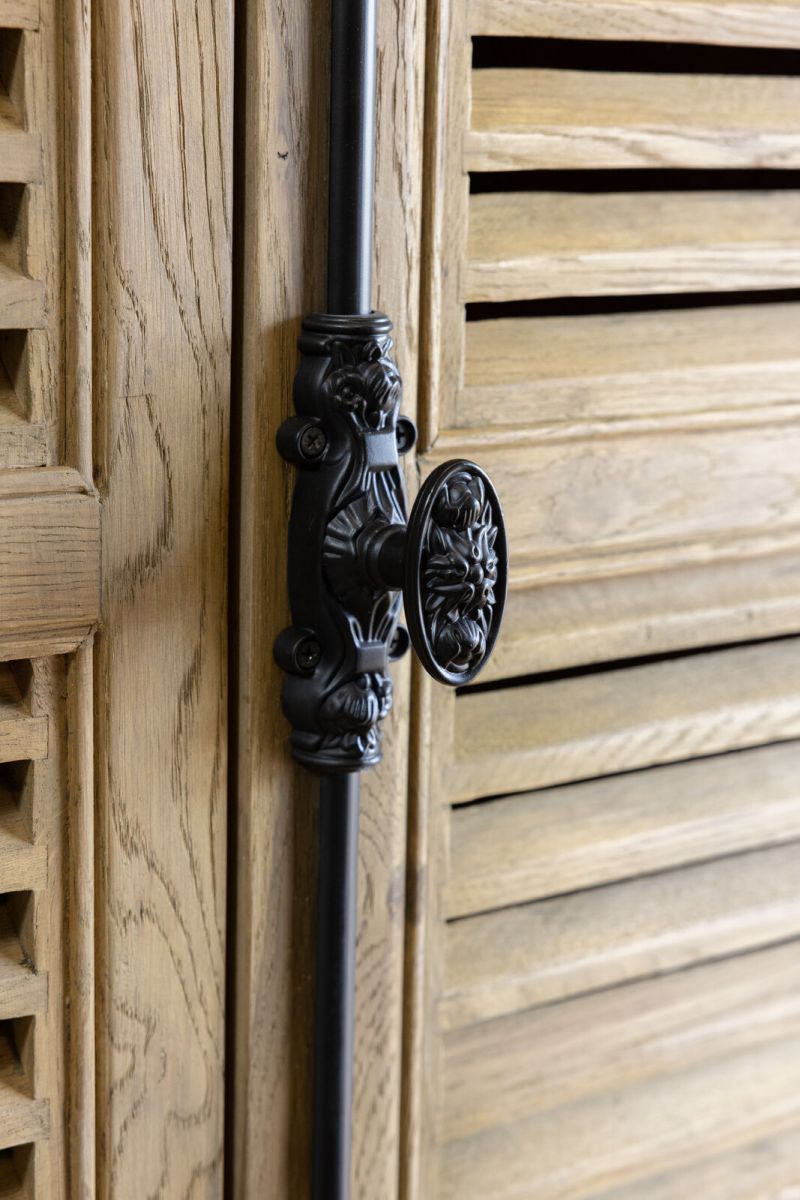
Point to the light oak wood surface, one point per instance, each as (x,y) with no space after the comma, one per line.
(584,621)
(503,1071)
(766,1169)
(560,119)
(526,372)
(23,865)
(21,298)
(23,991)
(513,958)
(580,1150)
(558,840)
(529,245)
(49,558)
(595,499)
(609,721)
(773,23)
(22,1119)
(19,14)
(162,339)
(22,736)
(20,151)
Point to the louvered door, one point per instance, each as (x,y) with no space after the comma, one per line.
(49,603)
(605,940)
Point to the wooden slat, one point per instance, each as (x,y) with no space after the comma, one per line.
(597,498)
(722,22)
(508,960)
(600,620)
(505,1070)
(22,737)
(21,298)
(19,14)
(524,372)
(23,866)
(544,120)
(609,721)
(767,1169)
(580,1150)
(49,557)
(20,151)
(23,992)
(22,1119)
(526,245)
(558,840)
(22,443)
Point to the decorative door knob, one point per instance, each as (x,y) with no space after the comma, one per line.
(451,562)
(352,553)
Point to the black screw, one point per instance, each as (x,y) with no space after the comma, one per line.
(312,441)
(406,434)
(308,654)
(399,644)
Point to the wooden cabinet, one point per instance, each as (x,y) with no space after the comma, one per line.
(578,960)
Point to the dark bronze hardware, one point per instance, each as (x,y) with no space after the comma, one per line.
(353,552)
(354,556)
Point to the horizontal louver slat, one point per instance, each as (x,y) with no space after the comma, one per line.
(522,372)
(514,958)
(541,843)
(545,120)
(513,1067)
(609,721)
(529,245)
(579,1151)
(772,23)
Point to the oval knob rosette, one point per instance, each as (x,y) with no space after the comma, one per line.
(455,571)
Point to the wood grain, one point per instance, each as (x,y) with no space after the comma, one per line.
(22,1119)
(162,320)
(565,120)
(23,991)
(49,563)
(583,621)
(526,372)
(723,22)
(618,720)
(508,960)
(283,220)
(19,14)
(598,498)
(581,1150)
(561,839)
(527,245)
(21,298)
(768,1168)
(20,151)
(23,865)
(506,1070)
(22,736)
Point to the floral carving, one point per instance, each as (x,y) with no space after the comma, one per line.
(460,571)
(365,381)
(350,714)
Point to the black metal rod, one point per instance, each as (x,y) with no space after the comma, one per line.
(352,156)
(337,912)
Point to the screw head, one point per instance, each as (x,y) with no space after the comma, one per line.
(406,434)
(399,644)
(312,441)
(308,654)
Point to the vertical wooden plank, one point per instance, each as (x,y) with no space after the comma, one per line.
(281,124)
(162,167)
(283,269)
